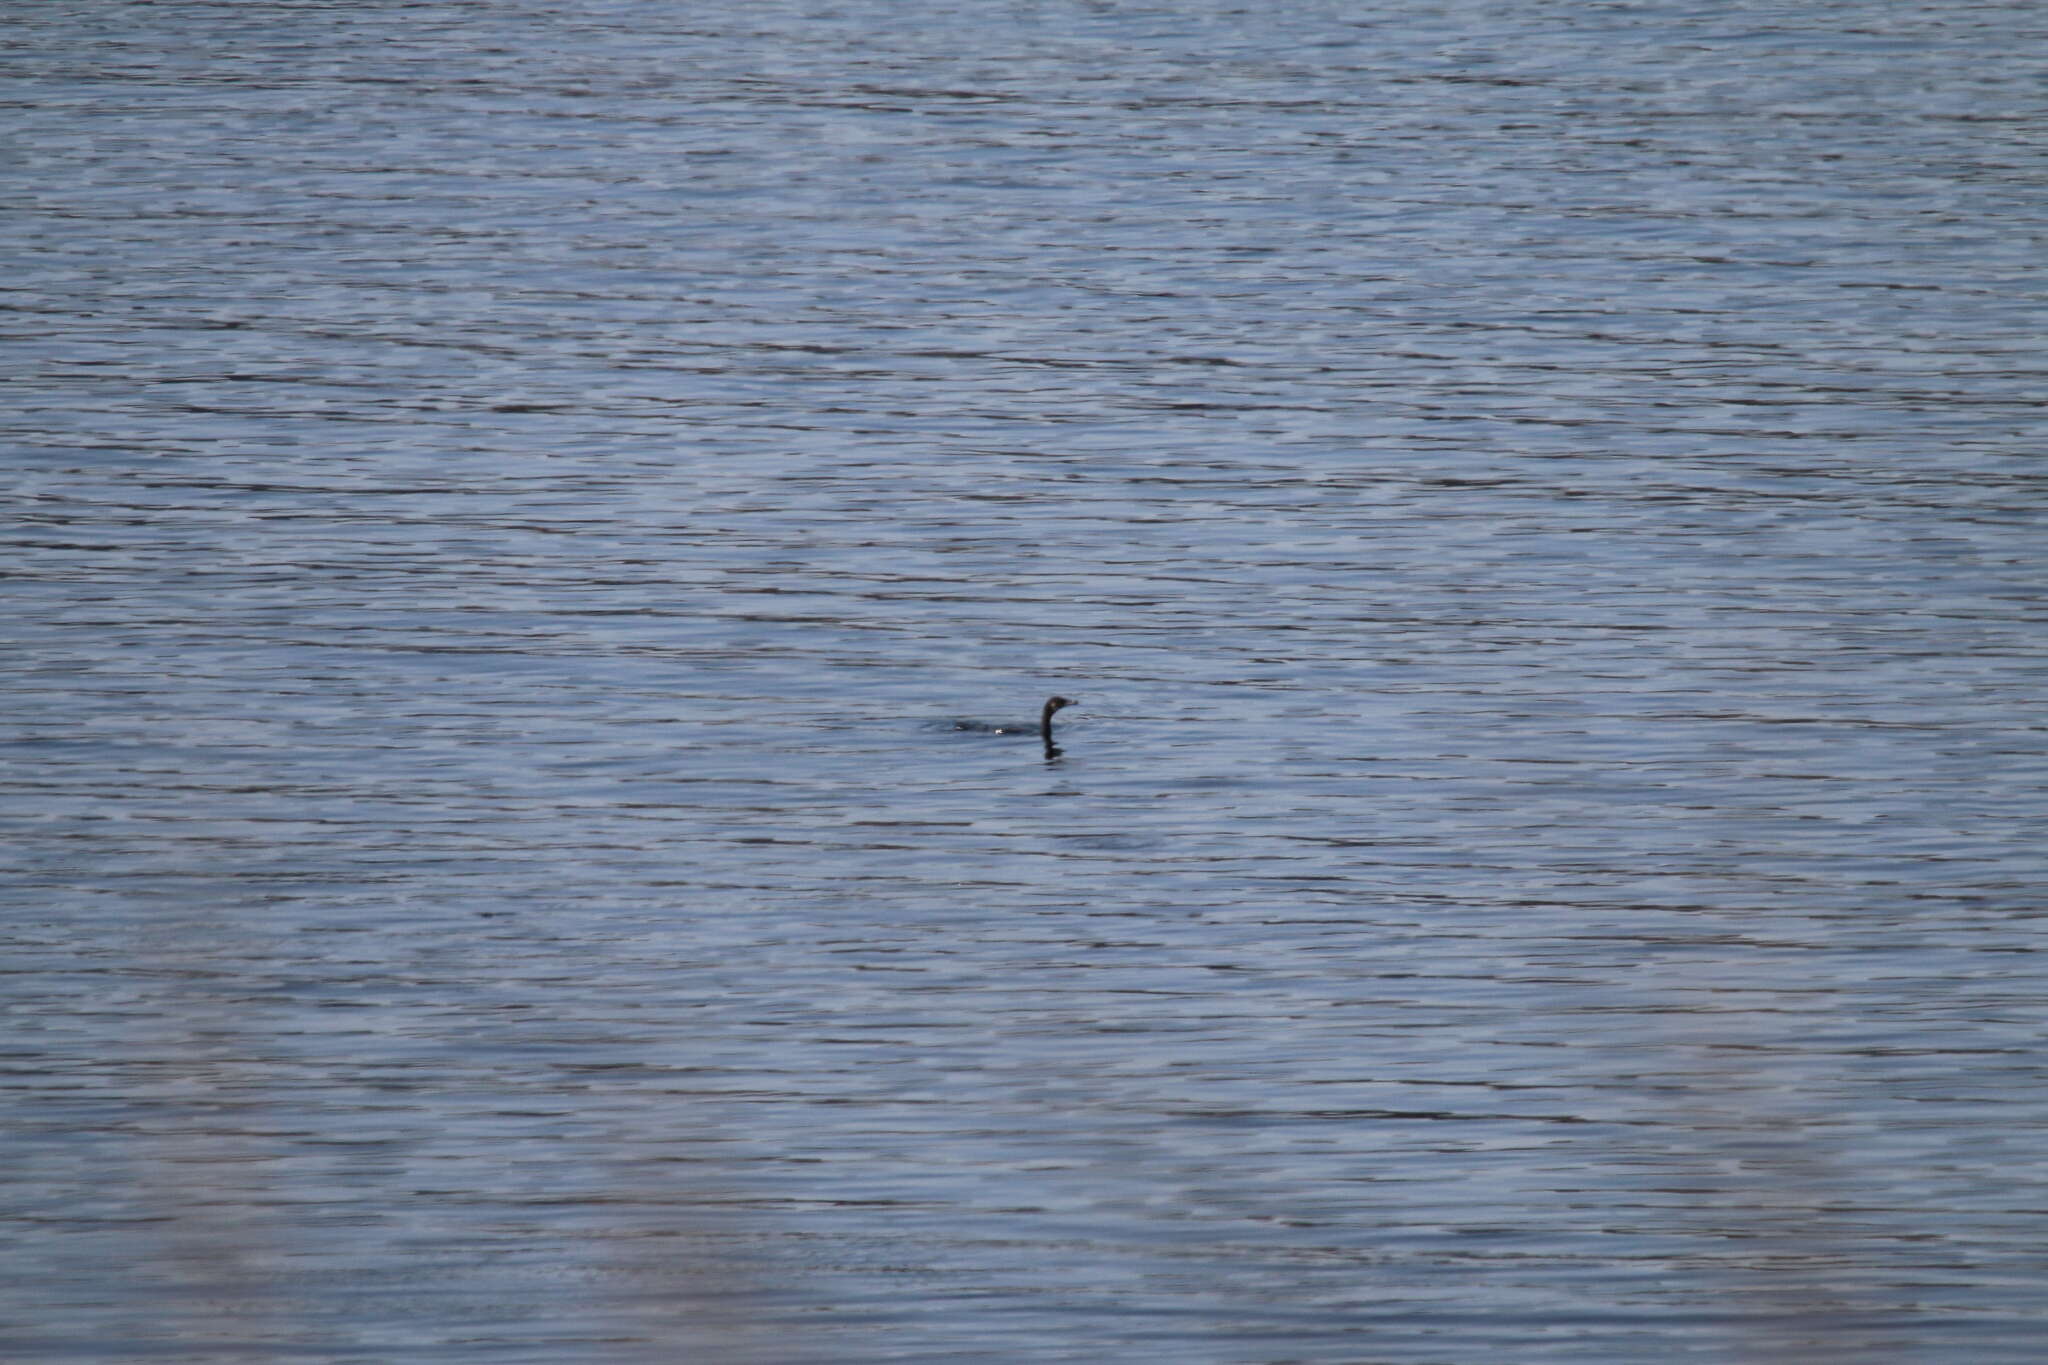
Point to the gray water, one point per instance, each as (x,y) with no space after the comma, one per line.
(1541,505)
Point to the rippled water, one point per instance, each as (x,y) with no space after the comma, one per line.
(1541,506)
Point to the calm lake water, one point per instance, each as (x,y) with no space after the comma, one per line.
(1541,505)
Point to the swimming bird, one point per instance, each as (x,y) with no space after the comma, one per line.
(1044,727)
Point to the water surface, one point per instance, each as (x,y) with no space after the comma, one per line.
(1541,506)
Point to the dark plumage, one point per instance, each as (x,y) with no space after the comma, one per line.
(1044,726)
